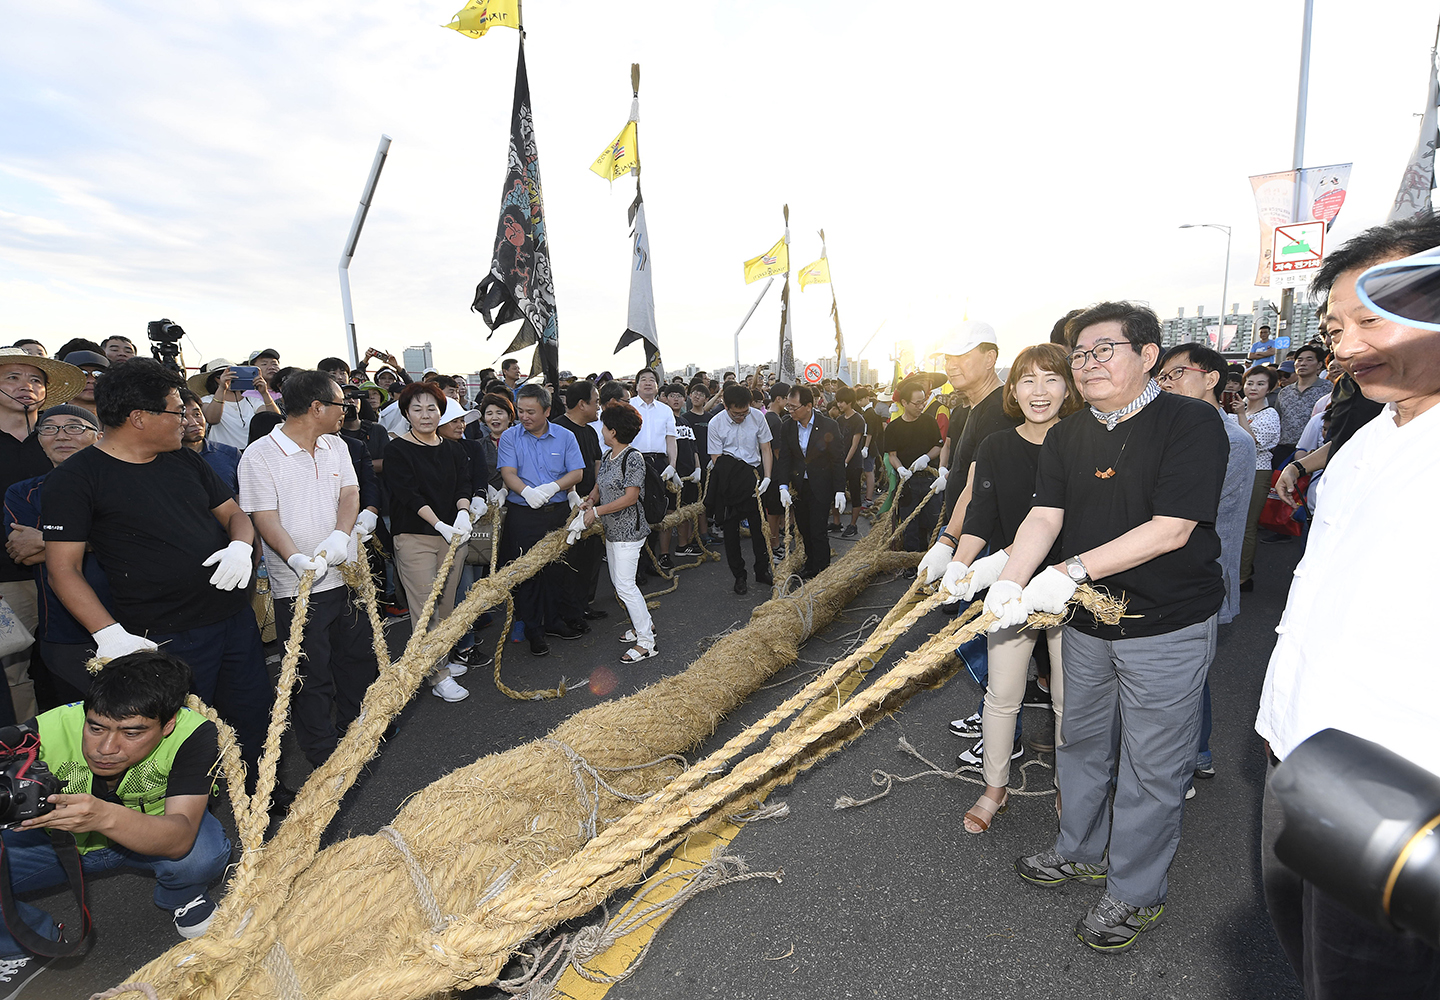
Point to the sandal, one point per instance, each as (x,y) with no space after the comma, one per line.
(985,810)
(637,653)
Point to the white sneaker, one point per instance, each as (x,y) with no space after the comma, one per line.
(456,669)
(449,690)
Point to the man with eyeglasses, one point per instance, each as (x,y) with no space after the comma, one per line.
(1130,488)
(173,542)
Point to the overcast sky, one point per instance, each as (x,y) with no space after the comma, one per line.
(203,162)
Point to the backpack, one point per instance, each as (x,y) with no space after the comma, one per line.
(654,504)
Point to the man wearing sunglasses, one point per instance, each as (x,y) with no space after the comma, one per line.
(172,540)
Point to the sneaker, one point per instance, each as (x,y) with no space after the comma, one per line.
(449,690)
(1049,868)
(395,611)
(974,756)
(1189,793)
(666,563)
(850,531)
(538,645)
(456,667)
(595,614)
(193,919)
(967,727)
(1036,697)
(566,631)
(517,632)
(835,529)
(692,549)
(1112,924)
(742,584)
(12,967)
(777,554)
(1204,766)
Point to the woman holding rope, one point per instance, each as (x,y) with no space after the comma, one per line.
(616,501)
(429,479)
(1041,390)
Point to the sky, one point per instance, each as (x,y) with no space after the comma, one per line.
(1005,162)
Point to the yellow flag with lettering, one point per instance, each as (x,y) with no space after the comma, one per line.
(817,273)
(620,156)
(774,261)
(479,16)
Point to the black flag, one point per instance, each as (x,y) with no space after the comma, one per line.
(521,284)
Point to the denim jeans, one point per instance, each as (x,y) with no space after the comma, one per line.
(34,865)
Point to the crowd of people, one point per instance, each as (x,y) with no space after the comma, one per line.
(143,507)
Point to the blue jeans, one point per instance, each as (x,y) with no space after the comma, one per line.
(34,865)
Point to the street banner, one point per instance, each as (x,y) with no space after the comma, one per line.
(640,323)
(1416,183)
(521,284)
(1322,192)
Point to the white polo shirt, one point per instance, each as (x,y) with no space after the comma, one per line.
(659,421)
(277,474)
(1350,653)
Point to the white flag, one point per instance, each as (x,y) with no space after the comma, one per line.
(640,323)
(1413,198)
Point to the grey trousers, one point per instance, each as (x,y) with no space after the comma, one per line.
(1132,720)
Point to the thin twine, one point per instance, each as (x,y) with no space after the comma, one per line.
(885,781)
(424,892)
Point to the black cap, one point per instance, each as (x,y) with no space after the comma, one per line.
(86,359)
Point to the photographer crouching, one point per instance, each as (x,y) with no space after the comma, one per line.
(135,771)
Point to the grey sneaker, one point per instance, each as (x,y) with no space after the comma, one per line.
(1049,868)
(1112,925)
(967,727)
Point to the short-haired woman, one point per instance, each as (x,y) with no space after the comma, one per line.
(1261,421)
(429,482)
(616,501)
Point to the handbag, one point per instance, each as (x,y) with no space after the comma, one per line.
(1277,515)
(14,636)
(482,536)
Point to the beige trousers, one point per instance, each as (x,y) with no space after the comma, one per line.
(417,560)
(1009,652)
(20,595)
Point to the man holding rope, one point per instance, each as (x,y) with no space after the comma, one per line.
(1139,475)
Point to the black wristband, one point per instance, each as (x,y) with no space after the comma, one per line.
(1300,470)
(945,533)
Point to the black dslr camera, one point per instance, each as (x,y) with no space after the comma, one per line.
(165,339)
(26,784)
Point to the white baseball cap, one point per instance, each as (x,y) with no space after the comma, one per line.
(969,335)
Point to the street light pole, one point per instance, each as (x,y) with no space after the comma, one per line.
(1225,282)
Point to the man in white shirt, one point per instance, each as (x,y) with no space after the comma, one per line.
(656,441)
(739,432)
(299,487)
(1352,664)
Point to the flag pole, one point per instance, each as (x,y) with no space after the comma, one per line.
(348,253)
(785,365)
(835,312)
(753,306)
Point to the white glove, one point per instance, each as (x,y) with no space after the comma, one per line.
(954,582)
(496,496)
(784,495)
(920,464)
(1004,602)
(865,451)
(840,503)
(334,550)
(1049,590)
(572,535)
(300,562)
(478,508)
(534,497)
(112,641)
(463,525)
(938,486)
(670,475)
(234,566)
(574,497)
(932,566)
(903,473)
(985,572)
(694,477)
(448,532)
(365,524)
(765,484)
(548,491)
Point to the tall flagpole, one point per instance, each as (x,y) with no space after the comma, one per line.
(785,360)
(835,312)
(348,253)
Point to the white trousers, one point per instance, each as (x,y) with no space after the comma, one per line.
(622,558)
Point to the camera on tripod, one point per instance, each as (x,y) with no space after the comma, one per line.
(26,784)
(165,343)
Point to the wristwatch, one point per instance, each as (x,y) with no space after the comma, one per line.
(1300,469)
(1076,570)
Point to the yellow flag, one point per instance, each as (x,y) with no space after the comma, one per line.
(620,156)
(776,260)
(817,273)
(479,16)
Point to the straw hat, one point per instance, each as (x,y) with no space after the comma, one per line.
(197,381)
(62,382)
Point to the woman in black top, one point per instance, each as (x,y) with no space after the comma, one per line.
(1041,390)
(429,482)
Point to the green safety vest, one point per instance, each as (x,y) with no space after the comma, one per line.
(142,788)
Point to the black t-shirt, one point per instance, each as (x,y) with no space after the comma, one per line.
(909,439)
(875,427)
(192,773)
(849,427)
(1005,468)
(19,460)
(590,451)
(699,423)
(984,418)
(151,527)
(1168,460)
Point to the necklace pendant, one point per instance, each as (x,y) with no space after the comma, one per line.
(1104,475)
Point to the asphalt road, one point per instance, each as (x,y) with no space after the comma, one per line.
(893,899)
